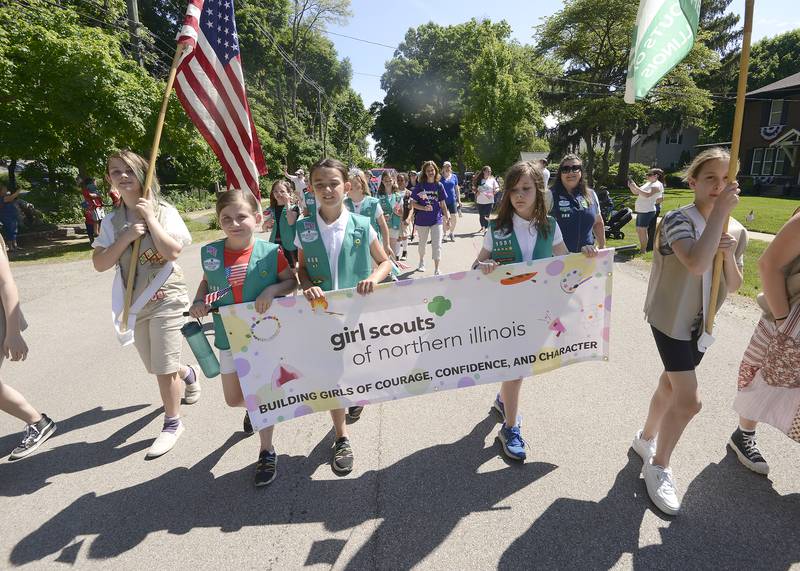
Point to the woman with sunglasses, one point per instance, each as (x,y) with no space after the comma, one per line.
(576,209)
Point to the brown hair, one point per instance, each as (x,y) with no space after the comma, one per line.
(235,195)
(424,178)
(139,166)
(329,163)
(273,203)
(402,176)
(658,173)
(381,189)
(693,169)
(505,212)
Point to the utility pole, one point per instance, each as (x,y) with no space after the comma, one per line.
(133,27)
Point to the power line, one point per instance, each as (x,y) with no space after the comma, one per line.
(324,31)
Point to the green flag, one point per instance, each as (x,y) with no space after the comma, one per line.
(664,33)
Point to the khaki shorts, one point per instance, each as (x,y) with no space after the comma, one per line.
(158,340)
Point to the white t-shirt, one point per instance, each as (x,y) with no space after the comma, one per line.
(332,238)
(299,183)
(526,234)
(486,191)
(648,203)
(546,176)
(357,208)
(171,221)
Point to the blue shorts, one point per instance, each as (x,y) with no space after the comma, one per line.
(451,207)
(643,219)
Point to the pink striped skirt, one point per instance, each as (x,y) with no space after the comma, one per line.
(769,376)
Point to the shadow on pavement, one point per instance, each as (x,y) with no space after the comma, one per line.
(30,474)
(420,500)
(731,518)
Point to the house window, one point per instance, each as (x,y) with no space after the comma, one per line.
(775,112)
(758,158)
(769,161)
(779,158)
(674,139)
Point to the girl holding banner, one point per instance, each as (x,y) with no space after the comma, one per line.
(336,250)
(280,219)
(678,299)
(238,269)
(159,291)
(521,231)
(769,383)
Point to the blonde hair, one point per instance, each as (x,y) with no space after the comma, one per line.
(693,169)
(139,166)
(358,175)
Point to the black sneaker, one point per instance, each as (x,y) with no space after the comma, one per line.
(33,437)
(342,456)
(746,448)
(247,426)
(354,412)
(265,468)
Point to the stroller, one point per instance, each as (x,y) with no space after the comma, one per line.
(615,217)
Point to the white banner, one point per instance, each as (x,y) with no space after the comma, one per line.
(420,336)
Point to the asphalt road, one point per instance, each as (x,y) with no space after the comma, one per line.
(430,489)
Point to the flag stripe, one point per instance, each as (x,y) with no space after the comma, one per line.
(199,82)
(204,125)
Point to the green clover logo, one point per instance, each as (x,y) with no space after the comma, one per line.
(440,305)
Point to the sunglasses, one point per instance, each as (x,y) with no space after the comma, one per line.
(570,168)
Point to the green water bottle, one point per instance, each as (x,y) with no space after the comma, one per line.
(193,331)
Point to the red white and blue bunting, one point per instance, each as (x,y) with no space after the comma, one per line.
(772,131)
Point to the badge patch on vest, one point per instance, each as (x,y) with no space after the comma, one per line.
(501,234)
(211,264)
(152,256)
(310,233)
(212,250)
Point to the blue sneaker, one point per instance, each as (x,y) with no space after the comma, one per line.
(513,444)
(499,408)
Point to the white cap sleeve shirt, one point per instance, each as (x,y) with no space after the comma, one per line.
(332,236)
(526,234)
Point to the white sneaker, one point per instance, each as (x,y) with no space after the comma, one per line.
(646,449)
(164,442)
(421,267)
(191,393)
(437,273)
(661,488)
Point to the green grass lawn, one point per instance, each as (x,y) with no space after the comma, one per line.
(770,213)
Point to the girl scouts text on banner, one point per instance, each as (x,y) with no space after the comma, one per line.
(415,337)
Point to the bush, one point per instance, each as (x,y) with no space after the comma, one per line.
(674,180)
(187,201)
(636,171)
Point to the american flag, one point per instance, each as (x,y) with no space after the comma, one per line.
(210,86)
(236,274)
(215,295)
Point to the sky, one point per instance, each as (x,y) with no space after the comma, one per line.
(386,22)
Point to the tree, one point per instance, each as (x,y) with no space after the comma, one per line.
(502,114)
(426,82)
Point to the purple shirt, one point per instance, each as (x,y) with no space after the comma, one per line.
(434,192)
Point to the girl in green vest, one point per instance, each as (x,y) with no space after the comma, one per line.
(286,214)
(336,250)
(360,201)
(391,200)
(521,231)
(238,269)
(159,290)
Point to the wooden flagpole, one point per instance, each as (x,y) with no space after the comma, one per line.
(148,180)
(735,144)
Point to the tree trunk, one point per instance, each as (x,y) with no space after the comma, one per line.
(624,156)
(606,152)
(12,175)
(588,137)
(51,181)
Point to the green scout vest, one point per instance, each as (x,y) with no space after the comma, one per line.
(388,203)
(262,272)
(311,203)
(368,209)
(355,261)
(506,250)
(287,230)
